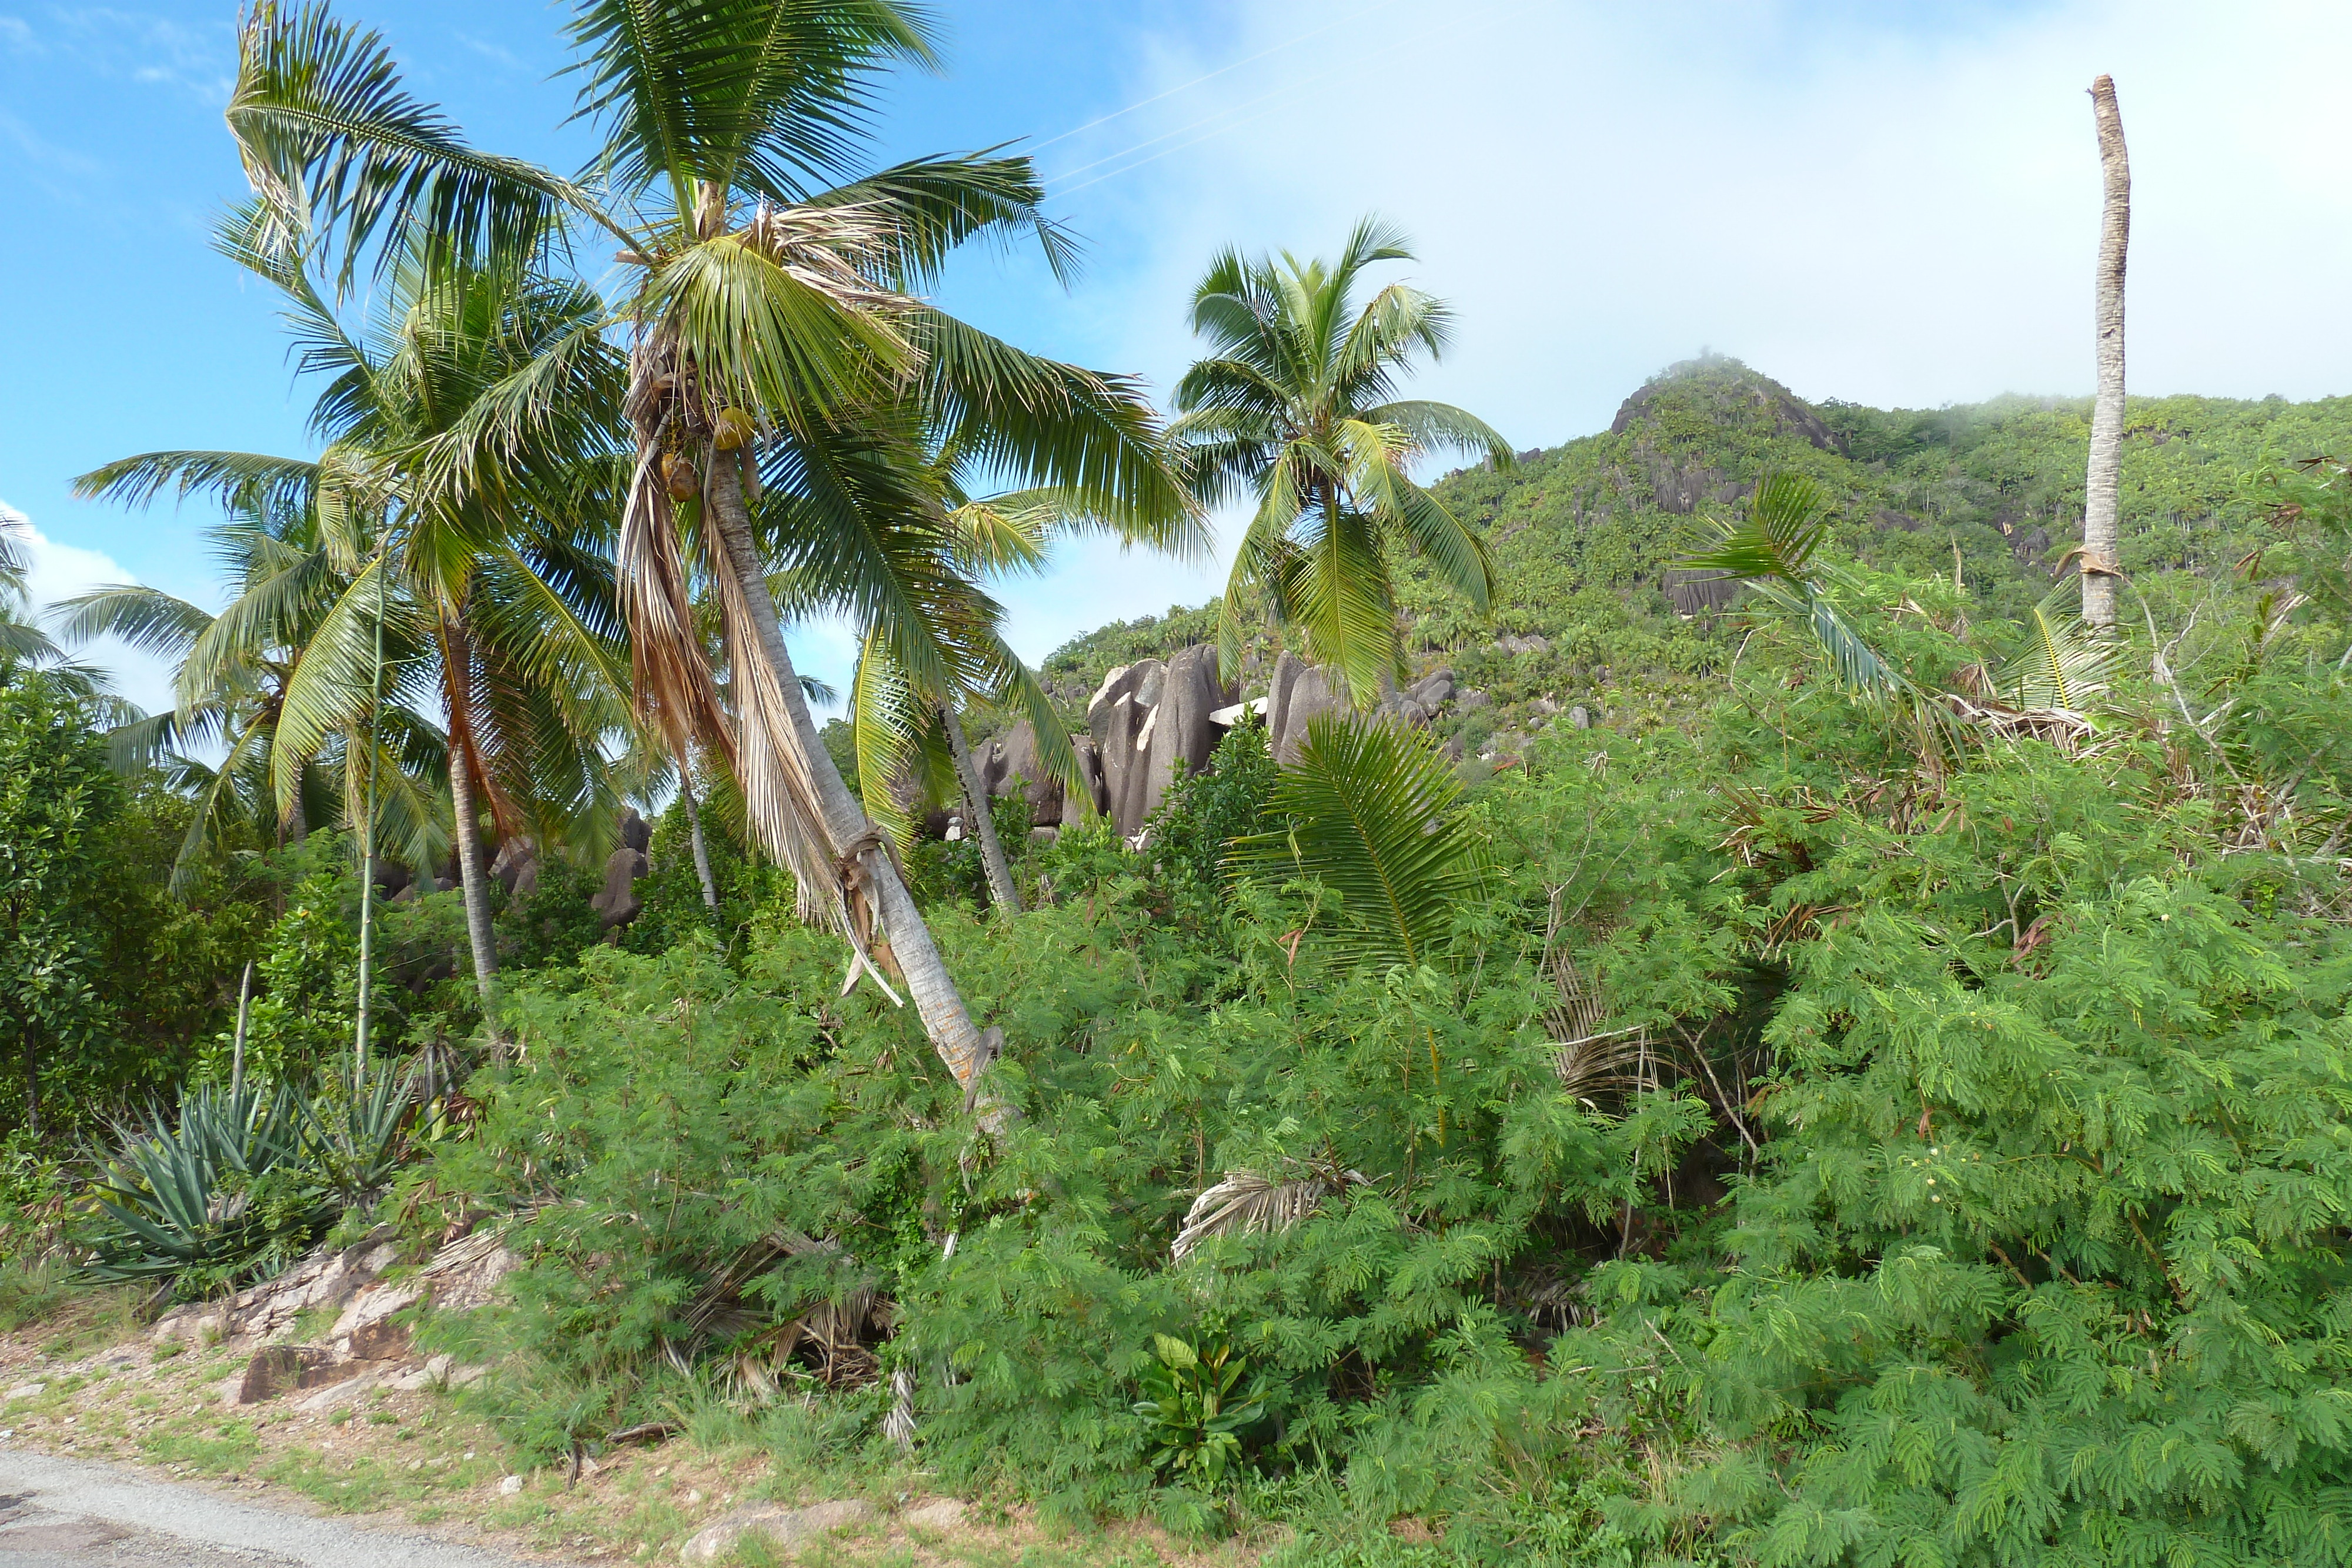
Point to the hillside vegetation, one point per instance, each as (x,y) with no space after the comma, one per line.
(1584,533)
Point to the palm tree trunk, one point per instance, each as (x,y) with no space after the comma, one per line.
(2101,529)
(694,831)
(474,877)
(945,1019)
(977,812)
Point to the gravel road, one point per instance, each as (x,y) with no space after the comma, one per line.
(71,1513)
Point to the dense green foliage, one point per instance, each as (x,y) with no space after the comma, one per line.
(1810,1137)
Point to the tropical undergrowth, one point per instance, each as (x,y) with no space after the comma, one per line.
(1812,1141)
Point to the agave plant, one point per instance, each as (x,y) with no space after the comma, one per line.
(216,1195)
(355,1143)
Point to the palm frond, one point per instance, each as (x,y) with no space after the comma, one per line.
(2065,662)
(1369,811)
(342,154)
(1246,1203)
(748,94)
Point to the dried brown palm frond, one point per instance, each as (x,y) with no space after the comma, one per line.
(1248,1203)
(837,1333)
(1588,1056)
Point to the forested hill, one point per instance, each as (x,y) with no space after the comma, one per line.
(1583,534)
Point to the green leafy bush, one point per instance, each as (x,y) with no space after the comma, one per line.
(1196,1407)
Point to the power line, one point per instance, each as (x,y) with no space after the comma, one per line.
(1223,121)
(1221,70)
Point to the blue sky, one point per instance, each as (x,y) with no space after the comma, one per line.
(1890,203)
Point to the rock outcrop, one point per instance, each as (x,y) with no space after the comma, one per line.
(616,902)
(1151,724)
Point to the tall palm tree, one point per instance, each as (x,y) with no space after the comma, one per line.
(1296,411)
(493,597)
(775,342)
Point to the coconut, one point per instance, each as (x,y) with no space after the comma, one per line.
(731,429)
(677,473)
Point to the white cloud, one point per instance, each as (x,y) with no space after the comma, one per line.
(58,571)
(1866,203)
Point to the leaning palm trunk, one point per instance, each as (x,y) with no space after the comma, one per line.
(780,754)
(2101,529)
(976,810)
(473,877)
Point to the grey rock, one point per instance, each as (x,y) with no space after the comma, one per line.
(1150,726)
(1579,717)
(636,833)
(780,1527)
(517,866)
(391,877)
(940,1514)
(1470,700)
(617,904)
(1044,835)
(1543,706)
(1433,690)
(1013,766)
(1115,719)
(1299,692)
(1698,592)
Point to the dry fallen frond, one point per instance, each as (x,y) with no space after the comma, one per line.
(1246,1203)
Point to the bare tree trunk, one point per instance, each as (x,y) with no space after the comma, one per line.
(694,831)
(31,1082)
(2100,502)
(983,818)
(940,1006)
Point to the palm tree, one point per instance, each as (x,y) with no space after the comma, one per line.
(776,345)
(491,594)
(1296,411)
(233,670)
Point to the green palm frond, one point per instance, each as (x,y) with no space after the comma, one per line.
(2065,662)
(343,155)
(1785,525)
(1774,546)
(147,619)
(751,95)
(1369,808)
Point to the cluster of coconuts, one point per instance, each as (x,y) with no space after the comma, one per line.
(730,432)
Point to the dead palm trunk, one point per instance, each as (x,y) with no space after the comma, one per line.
(977,812)
(2100,501)
(694,831)
(937,1001)
(472,874)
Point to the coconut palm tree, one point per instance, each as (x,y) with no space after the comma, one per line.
(1296,411)
(775,337)
(493,594)
(233,670)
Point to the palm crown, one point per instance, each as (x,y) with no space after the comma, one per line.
(782,374)
(1296,411)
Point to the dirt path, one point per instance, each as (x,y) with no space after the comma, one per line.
(66,1513)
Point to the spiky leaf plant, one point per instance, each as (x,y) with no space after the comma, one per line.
(209,1197)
